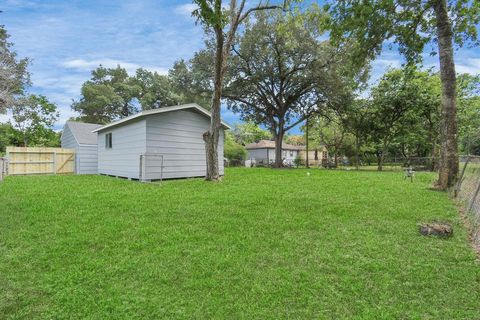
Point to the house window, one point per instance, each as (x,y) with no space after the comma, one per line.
(108,141)
(291,153)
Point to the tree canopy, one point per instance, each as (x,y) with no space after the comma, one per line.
(112,93)
(412,25)
(14,77)
(33,120)
(278,78)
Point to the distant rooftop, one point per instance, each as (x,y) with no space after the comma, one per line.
(269,144)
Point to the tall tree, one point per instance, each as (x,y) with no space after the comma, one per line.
(13,73)
(8,137)
(278,78)
(234,151)
(34,118)
(154,90)
(110,94)
(468,100)
(353,116)
(249,132)
(412,25)
(192,80)
(296,140)
(329,132)
(224,23)
(401,100)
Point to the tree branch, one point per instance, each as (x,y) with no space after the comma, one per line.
(258,8)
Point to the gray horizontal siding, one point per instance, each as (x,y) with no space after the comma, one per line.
(87,162)
(178,136)
(86,159)
(68,140)
(261,154)
(128,143)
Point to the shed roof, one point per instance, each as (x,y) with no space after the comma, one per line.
(83,132)
(146,113)
(269,144)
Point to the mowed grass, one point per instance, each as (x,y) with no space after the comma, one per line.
(264,244)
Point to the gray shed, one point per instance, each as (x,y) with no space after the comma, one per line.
(157,144)
(79,136)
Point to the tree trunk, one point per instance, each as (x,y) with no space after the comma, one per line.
(448,170)
(125,111)
(380,158)
(357,151)
(278,148)
(307,164)
(433,155)
(211,137)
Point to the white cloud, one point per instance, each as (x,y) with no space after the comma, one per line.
(5,118)
(66,40)
(393,63)
(469,65)
(163,71)
(89,65)
(20,4)
(185,9)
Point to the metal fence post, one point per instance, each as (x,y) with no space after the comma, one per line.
(140,175)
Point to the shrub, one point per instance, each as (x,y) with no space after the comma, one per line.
(298,161)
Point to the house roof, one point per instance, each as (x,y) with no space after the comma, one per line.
(269,144)
(146,113)
(82,132)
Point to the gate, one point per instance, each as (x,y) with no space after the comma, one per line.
(151,167)
(33,160)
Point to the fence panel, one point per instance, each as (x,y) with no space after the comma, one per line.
(468,191)
(33,160)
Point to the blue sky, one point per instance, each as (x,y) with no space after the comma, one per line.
(67,39)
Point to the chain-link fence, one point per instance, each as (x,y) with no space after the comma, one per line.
(389,163)
(467,190)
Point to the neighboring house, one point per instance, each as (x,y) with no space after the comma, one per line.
(315,155)
(157,144)
(263,151)
(79,136)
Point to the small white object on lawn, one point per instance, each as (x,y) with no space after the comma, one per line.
(308,174)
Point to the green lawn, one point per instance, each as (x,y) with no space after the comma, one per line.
(264,244)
